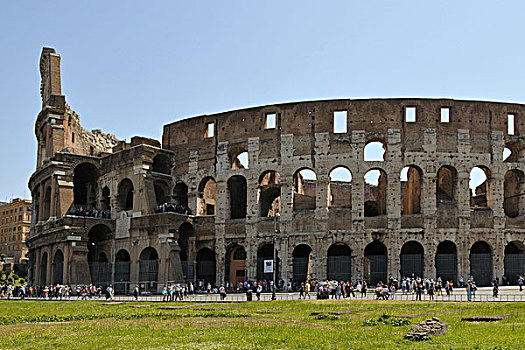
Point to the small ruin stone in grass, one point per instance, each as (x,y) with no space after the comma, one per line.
(425,329)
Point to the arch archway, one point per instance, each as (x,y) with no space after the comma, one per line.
(58,267)
(480,185)
(412,262)
(481,263)
(207,196)
(125,195)
(237,189)
(43,269)
(269,194)
(447,177)
(206,266)
(375,193)
(411,184)
(340,188)
(514,187)
(149,269)
(161,192)
(339,262)
(302,255)
(186,231)
(447,261)
(265,254)
(122,271)
(162,164)
(99,237)
(180,195)
(514,261)
(375,269)
(375,151)
(304,189)
(85,179)
(236,264)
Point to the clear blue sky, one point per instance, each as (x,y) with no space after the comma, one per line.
(130,67)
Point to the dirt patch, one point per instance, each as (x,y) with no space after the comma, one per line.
(138,306)
(429,314)
(177,307)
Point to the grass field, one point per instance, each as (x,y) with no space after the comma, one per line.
(256,325)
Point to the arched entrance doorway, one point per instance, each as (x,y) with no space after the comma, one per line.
(122,271)
(339,266)
(447,261)
(98,244)
(264,256)
(375,269)
(149,269)
(236,265)
(514,261)
(412,260)
(58,267)
(206,266)
(481,263)
(301,262)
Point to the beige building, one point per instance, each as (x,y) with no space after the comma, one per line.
(364,189)
(15,223)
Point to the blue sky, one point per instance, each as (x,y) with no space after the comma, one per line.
(130,67)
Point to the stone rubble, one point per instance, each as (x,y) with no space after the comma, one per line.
(425,329)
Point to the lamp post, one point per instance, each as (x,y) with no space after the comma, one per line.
(274,255)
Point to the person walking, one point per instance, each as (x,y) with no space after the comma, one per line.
(136,292)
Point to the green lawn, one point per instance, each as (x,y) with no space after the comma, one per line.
(256,325)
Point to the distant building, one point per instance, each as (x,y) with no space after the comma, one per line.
(15,222)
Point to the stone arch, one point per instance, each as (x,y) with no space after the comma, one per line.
(237,190)
(235,264)
(105,200)
(514,261)
(125,194)
(239,158)
(99,242)
(43,268)
(446,184)
(412,261)
(122,271)
(375,151)
(162,164)
(302,256)
(149,269)
(206,266)
(511,152)
(269,194)
(85,184)
(481,188)
(180,195)
(513,193)
(265,253)
(339,262)
(481,263)
(58,267)
(186,231)
(447,261)
(304,189)
(376,267)
(340,187)
(47,204)
(375,192)
(207,198)
(411,184)
(162,192)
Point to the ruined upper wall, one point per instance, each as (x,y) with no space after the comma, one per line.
(373,116)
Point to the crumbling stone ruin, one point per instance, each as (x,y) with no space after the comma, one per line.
(424,329)
(340,189)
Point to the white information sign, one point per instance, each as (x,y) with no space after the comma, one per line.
(268,266)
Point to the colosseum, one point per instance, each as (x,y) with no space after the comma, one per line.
(338,189)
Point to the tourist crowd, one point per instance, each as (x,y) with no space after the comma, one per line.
(92,213)
(172,208)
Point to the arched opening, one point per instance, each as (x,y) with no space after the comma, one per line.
(105,202)
(375,269)
(269,194)
(85,180)
(149,269)
(375,193)
(36,205)
(514,261)
(58,267)
(180,197)
(506,154)
(375,151)
(236,264)
(412,260)
(47,204)
(302,255)
(99,242)
(340,188)
(206,201)
(43,269)
(481,187)
(161,192)
(206,266)
(125,195)
(240,161)
(122,271)
(411,183)
(481,263)
(162,164)
(447,261)
(237,190)
(304,189)
(265,263)
(514,193)
(339,264)
(447,178)
(186,231)
(511,153)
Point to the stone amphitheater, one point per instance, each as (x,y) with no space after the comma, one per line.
(339,189)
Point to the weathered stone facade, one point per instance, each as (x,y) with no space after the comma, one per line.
(229,174)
